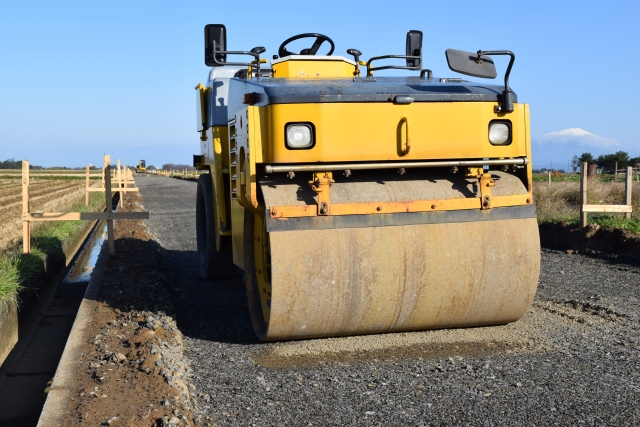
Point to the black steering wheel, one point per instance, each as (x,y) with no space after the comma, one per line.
(320,38)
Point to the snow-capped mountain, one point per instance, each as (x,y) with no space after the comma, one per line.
(571,132)
(556,149)
(578,136)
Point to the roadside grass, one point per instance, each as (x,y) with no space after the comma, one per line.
(563,177)
(18,270)
(575,177)
(560,203)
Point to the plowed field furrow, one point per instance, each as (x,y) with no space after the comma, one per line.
(35,195)
(7,189)
(15,185)
(34,189)
(45,196)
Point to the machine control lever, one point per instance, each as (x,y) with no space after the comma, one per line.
(356,56)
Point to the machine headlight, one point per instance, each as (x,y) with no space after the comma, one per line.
(500,132)
(300,135)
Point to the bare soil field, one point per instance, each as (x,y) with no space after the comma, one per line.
(45,196)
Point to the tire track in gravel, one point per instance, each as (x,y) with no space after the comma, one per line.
(574,358)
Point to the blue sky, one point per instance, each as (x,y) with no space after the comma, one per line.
(78,79)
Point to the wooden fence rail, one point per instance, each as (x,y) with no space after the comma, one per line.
(634,170)
(176,172)
(124,178)
(109,215)
(627,208)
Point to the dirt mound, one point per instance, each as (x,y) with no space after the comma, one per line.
(132,372)
(593,238)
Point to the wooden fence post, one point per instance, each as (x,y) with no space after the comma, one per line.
(106,161)
(615,174)
(583,194)
(119,178)
(549,178)
(26,225)
(86,190)
(123,184)
(628,182)
(109,202)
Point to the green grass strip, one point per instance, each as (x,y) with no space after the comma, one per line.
(603,220)
(18,269)
(574,177)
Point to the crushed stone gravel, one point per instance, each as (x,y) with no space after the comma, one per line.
(572,360)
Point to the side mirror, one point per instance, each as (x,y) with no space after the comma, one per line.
(214,35)
(470,64)
(414,48)
(479,64)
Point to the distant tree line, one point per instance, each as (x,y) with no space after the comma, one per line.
(17,164)
(545,170)
(177,167)
(606,161)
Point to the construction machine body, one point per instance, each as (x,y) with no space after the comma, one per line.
(141,166)
(365,204)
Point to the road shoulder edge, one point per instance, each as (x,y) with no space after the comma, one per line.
(57,404)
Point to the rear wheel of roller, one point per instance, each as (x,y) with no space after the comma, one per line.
(213,264)
(257,272)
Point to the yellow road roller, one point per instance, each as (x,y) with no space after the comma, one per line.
(141,166)
(362,204)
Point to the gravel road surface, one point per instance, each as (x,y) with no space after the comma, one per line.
(572,360)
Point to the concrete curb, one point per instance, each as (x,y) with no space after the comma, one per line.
(61,390)
(11,330)
(8,330)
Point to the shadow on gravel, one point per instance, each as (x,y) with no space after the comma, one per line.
(206,310)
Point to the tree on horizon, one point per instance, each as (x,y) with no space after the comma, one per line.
(577,161)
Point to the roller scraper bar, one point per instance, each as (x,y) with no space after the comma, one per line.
(323,167)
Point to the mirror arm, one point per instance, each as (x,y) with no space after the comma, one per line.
(237,52)
(507,102)
(396,67)
(429,74)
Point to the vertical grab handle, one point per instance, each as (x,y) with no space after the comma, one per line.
(404,151)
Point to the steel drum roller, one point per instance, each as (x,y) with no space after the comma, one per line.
(362,280)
